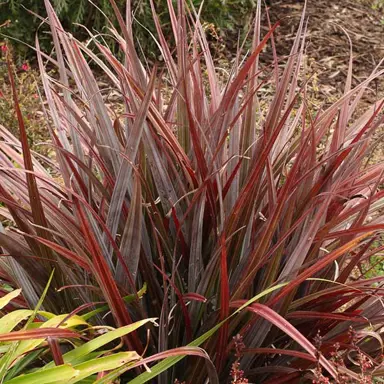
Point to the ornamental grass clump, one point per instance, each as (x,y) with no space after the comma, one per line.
(245,218)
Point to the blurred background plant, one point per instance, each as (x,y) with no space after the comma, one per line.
(378,5)
(219,15)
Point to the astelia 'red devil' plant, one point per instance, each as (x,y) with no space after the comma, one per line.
(247,217)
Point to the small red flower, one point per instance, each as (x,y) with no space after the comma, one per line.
(25,67)
(4,48)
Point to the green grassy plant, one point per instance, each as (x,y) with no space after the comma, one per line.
(243,222)
(33,344)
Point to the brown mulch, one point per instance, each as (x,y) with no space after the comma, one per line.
(327,43)
(328,49)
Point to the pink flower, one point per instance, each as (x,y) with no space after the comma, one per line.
(25,67)
(4,48)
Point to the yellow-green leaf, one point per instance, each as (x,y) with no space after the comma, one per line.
(100,341)
(8,297)
(12,319)
(63,373)
(101,364)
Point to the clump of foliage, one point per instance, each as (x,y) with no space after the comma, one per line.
(243,222)
(19,19)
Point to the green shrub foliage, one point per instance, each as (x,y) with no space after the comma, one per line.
(19,19)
